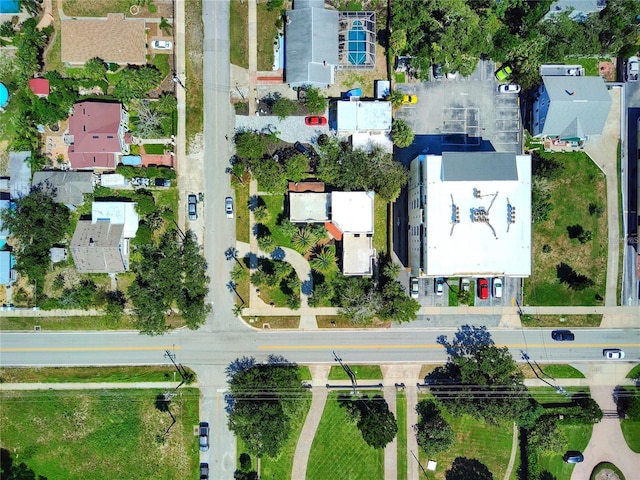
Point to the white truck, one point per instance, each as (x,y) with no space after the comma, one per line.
(633,69)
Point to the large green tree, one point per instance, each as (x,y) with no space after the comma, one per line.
(376,423)
(264,397)
(135,82)
(433,432)
(37,222)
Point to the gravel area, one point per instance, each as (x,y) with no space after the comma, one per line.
(291,129)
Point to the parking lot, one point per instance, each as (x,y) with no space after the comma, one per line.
(511,292)
(464,113)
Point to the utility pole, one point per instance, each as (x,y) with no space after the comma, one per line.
(348,371)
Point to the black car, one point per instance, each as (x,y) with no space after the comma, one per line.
(563,336)
(193,207)
(302,149)
(204,471)
(573,457)
(204,436)
(162,182)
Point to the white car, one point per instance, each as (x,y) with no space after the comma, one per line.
(228,207)
(509,88)
(497,287)
(439,286)
(613,354)
(633,69)
(161,44)
(415,288)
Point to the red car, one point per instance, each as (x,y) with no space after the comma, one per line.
(483,288)
(315,120)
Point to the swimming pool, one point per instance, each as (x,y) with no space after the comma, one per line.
(357,44)
(9,6)
(4,95)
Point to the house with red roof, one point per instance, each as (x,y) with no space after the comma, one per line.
(39,87)
(96,135)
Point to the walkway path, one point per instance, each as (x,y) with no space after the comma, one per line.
(319,392)
(47,16)
(603,150)
(514,451)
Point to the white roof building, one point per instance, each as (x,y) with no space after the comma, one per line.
(470,215)
(118,213)
(353,116)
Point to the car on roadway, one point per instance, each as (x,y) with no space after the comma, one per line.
(483,288)
(613,354)
(315,120)
(497,287)
(409,100)
(228,207)
(204,471)
(161,44)
(504,73)
(509,88)
(204,436)
(573,456)
(563,336)
(439,286)
(193,207)
(415,287)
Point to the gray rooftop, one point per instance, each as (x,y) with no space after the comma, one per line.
(69,186)
(311,46)
(478,166)
(578,106)
(20,174)
(309,207)
(96,247)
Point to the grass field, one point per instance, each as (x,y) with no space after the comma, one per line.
(95,8)
(97,322)
(267,33)
(154,148)
(635,372)
(475,439)
(275,206)
(109,433)
(380,224)
(88,374)
(589,320)
(580,184)
(562,371)
(631,432)
(578,438)
(362,372)
(194,68)
(238,33)
(590,64)
(242,212)
(401,418)
(324,321)
(161,62)
(338,450)
(277,322)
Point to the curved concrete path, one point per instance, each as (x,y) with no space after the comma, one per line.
(607,444)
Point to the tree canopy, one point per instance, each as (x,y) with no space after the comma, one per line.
(433,432)
(376,423)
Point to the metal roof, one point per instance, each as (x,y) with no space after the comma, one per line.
(20,174)
(480,166)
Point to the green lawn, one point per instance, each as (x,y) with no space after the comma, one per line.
(88,374)
(631,432)
(380,224)
(238,33)
(338,450)
(109,433)
(161,62)
(589,320)
(275,206)
(97,322)
(562,371)
(401,418)
(590,64)
(242,210)
(100,8)
(635,372)
(578,438)
(278,322)
(362,372)
(281,467)
(580,184)
(475,439)
(267,33)
(194,68)
(305,373)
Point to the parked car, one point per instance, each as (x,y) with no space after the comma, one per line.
(465,284)
(613,354)
(573,457)
(162,182)
(415,287)
(452,75)
(228,207)
(439,286)
(161,44)
(633,69)
(563,336)
(204,436)
(509,88)
(140,182)
(409,100)
(204,471)
(437,72)
(504,73)
(315,120)
(483,288)
(193,207)
(497,287)
(302,149)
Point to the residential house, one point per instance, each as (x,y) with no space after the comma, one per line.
(118,213)
(99,247)
(470,215)
(39,87)
(96,135)
(348,217)
(68,187)
(579,10)
(7,272)
(367,122)
(114,39)
(570,108)
(19,174)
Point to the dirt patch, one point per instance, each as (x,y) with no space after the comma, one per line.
(607,474)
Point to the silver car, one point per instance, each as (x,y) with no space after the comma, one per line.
(228,207)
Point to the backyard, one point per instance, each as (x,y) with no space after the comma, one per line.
(50,431)
(570,247)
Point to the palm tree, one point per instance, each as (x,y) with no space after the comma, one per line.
(324,261)
(395,97)
(303,240)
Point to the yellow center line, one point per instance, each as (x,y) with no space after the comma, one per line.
(432,345)
(86,349)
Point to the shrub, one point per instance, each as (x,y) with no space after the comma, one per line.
(284,108)
(596,210)
(315,102)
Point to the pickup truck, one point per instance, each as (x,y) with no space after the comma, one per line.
(633,69)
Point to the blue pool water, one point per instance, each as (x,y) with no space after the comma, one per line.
(357,44)
(9,6)
(4,95)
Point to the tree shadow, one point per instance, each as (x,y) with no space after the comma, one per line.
(467,340)
(307,286)
(575,231)
(278,254)
(16,472)
(162,403)
(468,468)
(240,364)
(251,261)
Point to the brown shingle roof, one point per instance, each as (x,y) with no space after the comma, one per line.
(114,39)
(94,127)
